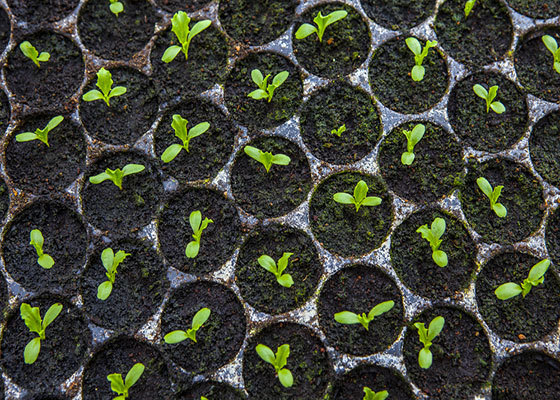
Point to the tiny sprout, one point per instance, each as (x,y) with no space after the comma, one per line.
(535,278)
(493,195)
(179,125)
(433,236)
(116,176)
(426,337)
(414,45)
(40,134)
(349,318)
(37,241)
(269,264)
(266,158)
(412,139)
(198,226)
(116,7)
(180,27)
(265,90)
(278,361)
(552,46)
(360,197)
(371,395)
(203,398)
(121,387)
(322,22)
(468,7)
(489,96)
(110,261)
(104,82)
(339,131)
(31,52)
(198,320)
(33,321)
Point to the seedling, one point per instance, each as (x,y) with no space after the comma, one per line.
(349,318)
(269,264)
(116,176)
(468,7)
(37,241)
(198,320)
(33,321)
(535,278)
(412,139)
(493,195)
(339,131)
(420,53)
(121,387)
(278,361)
(116,7)
(180,27)
(179,125)
(360,197)
(110,261)
(198,226)
(426,337)
(371,395)
(104,82)
(433,236)
(266,158)
(203,398)
(489,95)
(31,52)
(552,46)
(322,22)
(40,134)
(266,90)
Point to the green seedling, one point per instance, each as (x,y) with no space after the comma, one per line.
(37,241)
(110,261)
(535,278)
(426,338)
(179,125)
(203,398)
(278,361)
(198,226)
(349,318)
(198,320)
(269,264)
(180,27)
(31,52)
(433,236)
(493,195)
(468,7)
(104,82)
(412,139)
(121,387)
(489,95)
(338,132)
(420,53)
(360,197)
(371,395)
(552,46)
(322,22)
(116,176)
(266,90)
(40,134)
(116,7)
(33,321)
(266,158)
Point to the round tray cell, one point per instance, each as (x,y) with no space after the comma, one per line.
(41,12)
(211,390)
(544,145)
(537,8)
(398,14)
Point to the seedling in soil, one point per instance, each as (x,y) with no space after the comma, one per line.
(493,195)
(203,398)
(266,90)
(414,45)
(198,226)
(412,139)
(33,321)
(339,131)
(552,46)
(110,261)
(180,27)
(266,158)
(179,125)
(349,318)
(371,395)
(121,387)
(37,241)
(278,361)
(40,134)
(322,22)
(104,82)
(269,264)
(360,197)
(433,236)
(116,7)
(426,337)
(198,320)
(535,278)
(31,52)
(116,176)
(468,7)
(489,95)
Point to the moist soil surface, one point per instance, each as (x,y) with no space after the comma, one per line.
(5,30)
(4,199)
(4,111)
(398,14)
(544,145)
(172,6)
(552,237)
(536,8)
(41,12)
(211,390)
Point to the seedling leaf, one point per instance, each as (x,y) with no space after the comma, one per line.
(31,52)
(322,23)
(180,27)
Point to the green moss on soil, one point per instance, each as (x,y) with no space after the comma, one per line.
(536,8)
(544,145)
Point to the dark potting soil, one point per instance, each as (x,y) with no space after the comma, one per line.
(481,38)
(129,116)
(552,237)
(488,131)
(42,169)
(62,352)
(345,44)
(4,298)
(261,113)
(39,12)
(219,239)
(461,355)
(112,37)
(65,240)
(218,340)
(522,197)
(411,256)
(358,289)
(398,14)
(518,319)
(391,81)
(308,362)
(206,153)
(338,227)
(4,199)
(211,390)
(4,112)
(331,107)
(118,356)
(43,396)
(436,170)
(5,29)
(173,6)
(259,287)
(53,84)
(544,145)
(274,193)
(119,211)
(536,8)
(256,22)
